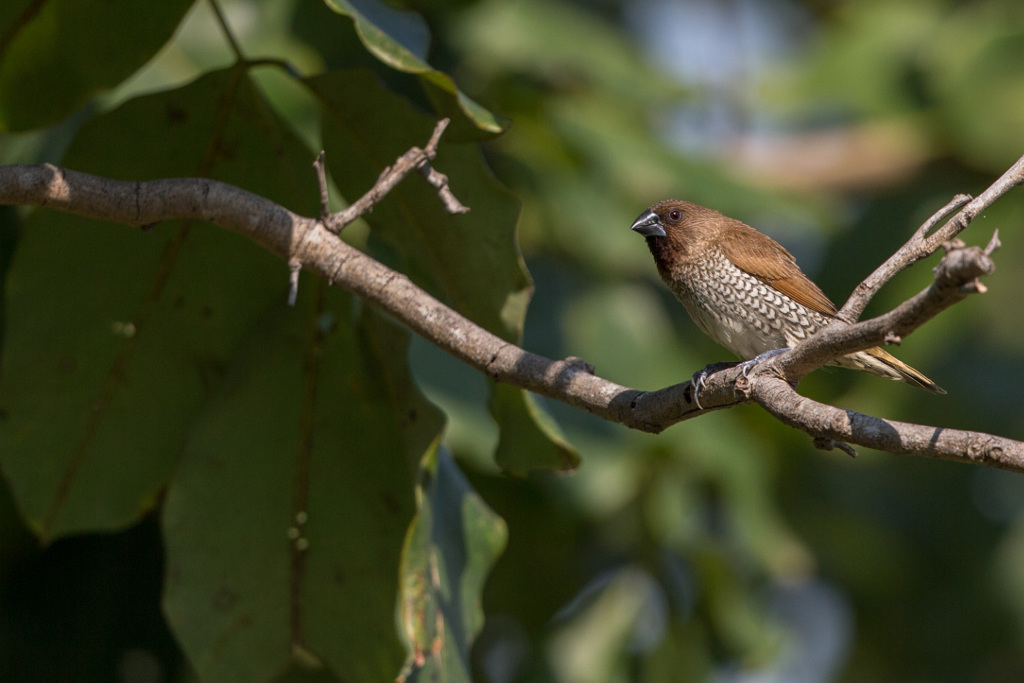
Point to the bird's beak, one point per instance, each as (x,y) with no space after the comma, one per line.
(648,224)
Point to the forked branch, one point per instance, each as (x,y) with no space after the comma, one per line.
(415,158)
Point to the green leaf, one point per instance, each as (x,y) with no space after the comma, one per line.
(56,55)
(470,261)
(114,336)
(400,39)
(452,545)
(285,522)
(530,439)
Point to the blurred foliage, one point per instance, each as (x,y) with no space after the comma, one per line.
(203,484)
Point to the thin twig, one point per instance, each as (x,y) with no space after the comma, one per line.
(958,268)
(993,243)
(392,175)
(222,20)
(294,268)
(846,336)
(823,444)
(923,243)
(321,178)
(1011,178)
(440,183)
(910,253)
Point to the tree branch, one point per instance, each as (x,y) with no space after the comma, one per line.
(956,277)
(836,425)
(924,243)
(311,244)
(910,253)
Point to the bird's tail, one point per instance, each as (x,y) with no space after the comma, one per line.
(884,364)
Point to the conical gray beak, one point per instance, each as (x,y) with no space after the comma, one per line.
(648,224)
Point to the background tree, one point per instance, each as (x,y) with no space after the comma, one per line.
(256,464)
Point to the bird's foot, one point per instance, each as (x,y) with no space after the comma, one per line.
(748,364)
(697,381)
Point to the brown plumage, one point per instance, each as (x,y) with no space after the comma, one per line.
(744,290)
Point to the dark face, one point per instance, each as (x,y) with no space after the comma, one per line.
(677,230)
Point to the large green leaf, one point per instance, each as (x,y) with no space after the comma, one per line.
(470,261)
(400,39)
(55,55)
(115,336)
(285,521)
(451,546)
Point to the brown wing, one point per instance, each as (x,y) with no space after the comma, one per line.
(769,262)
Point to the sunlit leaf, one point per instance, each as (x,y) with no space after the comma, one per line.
(981,86)
(400,39)
(561,42)
(863,58)
(452,544)
(615,616)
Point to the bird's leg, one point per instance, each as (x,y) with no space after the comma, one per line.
(697,381)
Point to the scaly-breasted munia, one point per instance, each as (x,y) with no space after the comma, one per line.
(744,290)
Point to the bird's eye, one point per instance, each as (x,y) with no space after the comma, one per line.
(674,215)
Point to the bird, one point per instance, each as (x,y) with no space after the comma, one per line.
(745,290)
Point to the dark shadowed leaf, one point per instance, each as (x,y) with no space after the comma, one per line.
(470,261)
(115,336)
(285,522)
(55,55)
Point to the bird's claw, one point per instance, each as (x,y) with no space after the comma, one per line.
(697,382)
(748,364)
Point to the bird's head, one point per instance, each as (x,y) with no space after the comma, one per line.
(676,228)
(669,217)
